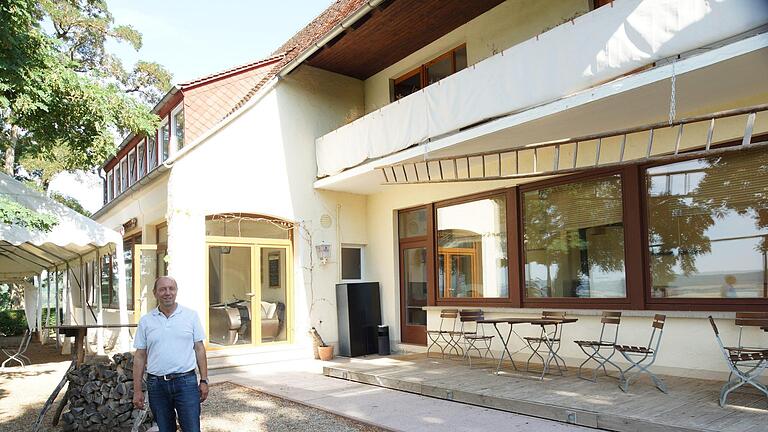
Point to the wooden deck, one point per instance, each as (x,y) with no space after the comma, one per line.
(690,405)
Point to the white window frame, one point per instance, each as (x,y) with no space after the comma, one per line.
(118,177)
(157,153)
(174,145)
(124,179)
(142,145)
(110,186)
(160,158)
(361,247)
(132,179)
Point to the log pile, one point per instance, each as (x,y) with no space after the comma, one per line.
(100,397)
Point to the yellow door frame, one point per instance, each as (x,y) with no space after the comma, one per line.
(255,244)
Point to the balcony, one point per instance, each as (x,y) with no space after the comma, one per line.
(595,48)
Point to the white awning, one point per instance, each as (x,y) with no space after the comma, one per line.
(25,251)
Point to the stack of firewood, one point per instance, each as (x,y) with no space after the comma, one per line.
(100,397)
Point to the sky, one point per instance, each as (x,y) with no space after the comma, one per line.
(195,38)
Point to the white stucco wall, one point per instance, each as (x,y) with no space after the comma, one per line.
(263,162)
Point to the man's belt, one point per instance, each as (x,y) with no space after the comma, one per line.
(172,376)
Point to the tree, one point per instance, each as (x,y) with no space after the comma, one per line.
(62,95)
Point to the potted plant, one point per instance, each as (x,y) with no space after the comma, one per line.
(321,350)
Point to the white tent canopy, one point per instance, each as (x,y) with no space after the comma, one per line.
(73,241)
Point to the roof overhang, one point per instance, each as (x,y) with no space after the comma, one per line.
(381,33)
(708,82)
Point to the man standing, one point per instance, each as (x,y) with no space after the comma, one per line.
(169,342)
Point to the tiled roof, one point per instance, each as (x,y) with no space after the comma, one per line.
(236,69)
(310,34)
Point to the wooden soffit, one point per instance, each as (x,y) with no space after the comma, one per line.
(392,31)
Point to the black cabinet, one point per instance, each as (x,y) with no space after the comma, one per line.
(359,313)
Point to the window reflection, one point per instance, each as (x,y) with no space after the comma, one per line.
(472,249)
(708,226)
(574,240)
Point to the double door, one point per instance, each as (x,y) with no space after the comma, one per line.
(248,290)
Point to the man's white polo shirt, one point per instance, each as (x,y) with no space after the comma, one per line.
(169,341)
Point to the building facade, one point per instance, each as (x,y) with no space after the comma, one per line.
(509,155)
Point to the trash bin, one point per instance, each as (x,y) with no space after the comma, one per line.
(383,339)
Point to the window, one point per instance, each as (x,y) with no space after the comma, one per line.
(573,238)
(162,249)
(429,73)
(118,176)
(472,249)
(351,262)
(132,167)
(142,158)
(124,174)
(110,187)
(151,152)
(109,283)
(165,140)
(178,128)
(708,227)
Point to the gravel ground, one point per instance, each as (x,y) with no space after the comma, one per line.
(230,407)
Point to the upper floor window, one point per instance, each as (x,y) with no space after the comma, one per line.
(110,187)
(132,167)
(165,141)
(430,72)
(124,174)
(177,119)
(118,186)
(151,152)
(141,158)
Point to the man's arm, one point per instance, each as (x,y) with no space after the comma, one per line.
(202,366)
(139,362)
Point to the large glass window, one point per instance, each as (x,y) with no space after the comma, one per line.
(573,238)
(708,226)
(472,249)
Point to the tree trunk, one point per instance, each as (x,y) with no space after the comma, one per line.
(9,160)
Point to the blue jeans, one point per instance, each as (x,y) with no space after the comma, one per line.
(178,396)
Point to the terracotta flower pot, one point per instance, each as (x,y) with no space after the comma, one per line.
(326,352)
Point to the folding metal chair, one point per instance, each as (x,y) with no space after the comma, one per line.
(548,339)
(446,337)
(643,357)
(18,356)
(473,334)
(596,350)
(746,363)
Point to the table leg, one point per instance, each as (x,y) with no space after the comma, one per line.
(505,345)
(80,345)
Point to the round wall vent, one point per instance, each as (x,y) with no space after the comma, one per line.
(325,221)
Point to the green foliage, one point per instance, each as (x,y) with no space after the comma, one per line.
(71,203)
(62,95)
(13,322)
(13,213)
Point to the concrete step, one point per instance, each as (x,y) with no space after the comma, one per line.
(235,357)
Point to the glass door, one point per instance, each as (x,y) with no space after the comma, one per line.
(230,295)
(144,261)
(274,292)
(413,292)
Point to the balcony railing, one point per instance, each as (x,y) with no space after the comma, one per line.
(592,49)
